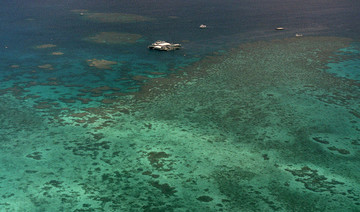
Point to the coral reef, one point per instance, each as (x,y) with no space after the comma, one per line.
(113,38)
(101,63)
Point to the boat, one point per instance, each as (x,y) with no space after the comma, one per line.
(279,28)
(202,26)
(164,46)
(298,35)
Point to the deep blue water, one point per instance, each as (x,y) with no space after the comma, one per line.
(229,22)
(25,24)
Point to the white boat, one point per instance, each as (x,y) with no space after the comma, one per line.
(164,46)
(298,35)
(279,28)
(202,26)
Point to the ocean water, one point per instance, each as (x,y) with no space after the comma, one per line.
(242,118)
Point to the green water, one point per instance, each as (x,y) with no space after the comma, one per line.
(264,127)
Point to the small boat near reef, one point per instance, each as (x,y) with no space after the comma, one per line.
(164,46)
(279,28)
(298,35)
(202,26)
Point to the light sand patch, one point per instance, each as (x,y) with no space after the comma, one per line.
(101,64)
(57,53)
(45,46)
(46,66)
(114,38)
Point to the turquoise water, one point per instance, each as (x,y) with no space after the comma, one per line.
(242,118)
(349,66)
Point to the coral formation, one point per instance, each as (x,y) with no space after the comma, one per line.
(112,17)
(101,63)
(45,46)
(114,38)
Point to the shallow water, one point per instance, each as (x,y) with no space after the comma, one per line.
(243,118)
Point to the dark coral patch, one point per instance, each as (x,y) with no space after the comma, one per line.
(355,113)
(42,105)
(146,173)
(79,115)
(320,140)
(205,199)
(71,100)
(84,100)
(313,181)
(355,142)
(108,101)
(265,156)
(156,158)
(35,155)
(149,173)
(164,188)
(30,171)
(55,183)
(341,151)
